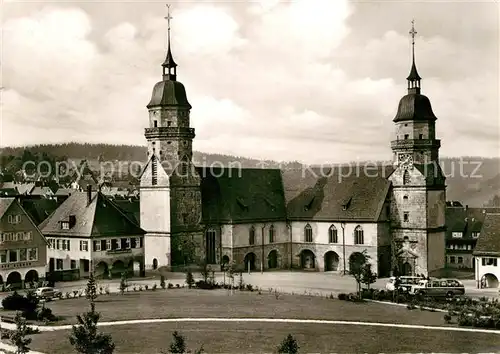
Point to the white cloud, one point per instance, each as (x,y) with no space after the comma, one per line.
(284,81)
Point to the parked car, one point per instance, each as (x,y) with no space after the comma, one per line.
(405,284)
(438,288)
(47,293)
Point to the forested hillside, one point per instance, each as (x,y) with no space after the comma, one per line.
(471,180)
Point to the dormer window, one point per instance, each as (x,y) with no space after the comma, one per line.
(346,203)
(309,205)
(65,225)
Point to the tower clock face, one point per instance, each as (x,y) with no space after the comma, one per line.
(406,159)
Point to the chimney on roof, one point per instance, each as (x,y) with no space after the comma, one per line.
(89,194)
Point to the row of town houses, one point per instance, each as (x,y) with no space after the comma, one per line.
(46,238)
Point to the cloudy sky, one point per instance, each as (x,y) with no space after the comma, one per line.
(309,80)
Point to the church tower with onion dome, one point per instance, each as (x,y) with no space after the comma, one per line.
(419,191)
(170,193)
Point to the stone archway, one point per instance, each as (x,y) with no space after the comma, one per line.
(14,278)
(272,259)
(31,277)
(331,261)
(118,268)
(249,261)
(101,270)
(307,259)
(489,281)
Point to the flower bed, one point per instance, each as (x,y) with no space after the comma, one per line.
(463,310)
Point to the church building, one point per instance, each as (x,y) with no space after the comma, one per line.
(316,219)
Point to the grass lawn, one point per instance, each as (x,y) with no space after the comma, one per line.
(218,303)
(260,337)
(264,337)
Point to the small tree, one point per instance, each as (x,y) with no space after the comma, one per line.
(357,262)
(367,276)
(189,279)
(289,345)
(123,283)
(231,271)
(85,337)
(91,290)
(178,345)
(18,336)
(205,271)
(162,282)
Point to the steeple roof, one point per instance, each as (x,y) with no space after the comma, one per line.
(414,106)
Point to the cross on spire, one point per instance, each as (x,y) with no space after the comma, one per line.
(413,78)
(169,65)
(168,17)
(413,32)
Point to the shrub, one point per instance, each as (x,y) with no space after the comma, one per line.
(14,302)
(162,282)
(170,285)
(367,293)
(154,287)
(67,295)
(447,318)
(45,314)
(75,293)
(140,287)
(134,288)
(241,284)
(146,287)
(189,279)
(106,290)
(201,284)
(289,345)
(342,296)
(101,290)
(249,287)
(464,319)
(330,297)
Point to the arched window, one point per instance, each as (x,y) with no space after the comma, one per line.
(308,233)
(251,236)
(359,237)
(406,177)
(210,245)
(271,234)
(332,234)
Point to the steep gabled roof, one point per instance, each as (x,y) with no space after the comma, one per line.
(5,204)
(335,195)
(488,243)
(100,217)
(241,195)
(466,220)
(40,208)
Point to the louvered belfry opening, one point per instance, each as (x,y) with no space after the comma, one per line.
(154,171)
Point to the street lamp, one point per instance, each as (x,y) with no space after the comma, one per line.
(342,224)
